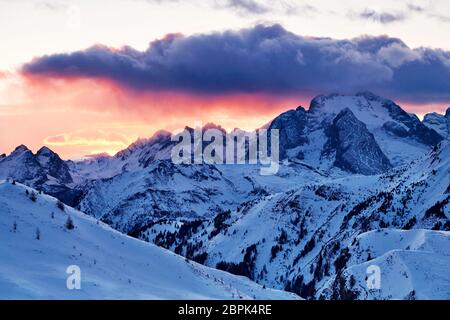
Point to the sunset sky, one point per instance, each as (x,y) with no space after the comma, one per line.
(86,77)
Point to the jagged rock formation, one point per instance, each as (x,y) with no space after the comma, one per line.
(354,146)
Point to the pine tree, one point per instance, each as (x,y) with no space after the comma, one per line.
(33,197)
(60,205)
(38,234)
(69,223)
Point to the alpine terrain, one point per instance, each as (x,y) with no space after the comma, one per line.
(363,185)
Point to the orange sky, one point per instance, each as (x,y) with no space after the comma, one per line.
(81,117)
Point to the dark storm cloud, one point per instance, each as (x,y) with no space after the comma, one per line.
(262,59)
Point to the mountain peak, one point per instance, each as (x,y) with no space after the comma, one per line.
(96,156)
(335,102)
(211,125)
(158,136)
(369,95)
(160,133)
(21,148)
(45,151)
(447,113)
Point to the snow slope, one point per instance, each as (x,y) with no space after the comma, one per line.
(439,122)
(131,201)
(301,237)
(413,265)
(113,266)
(381,168)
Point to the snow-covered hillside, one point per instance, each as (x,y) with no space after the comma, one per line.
(301,238)
(132,201)
(413,264)
(37,247)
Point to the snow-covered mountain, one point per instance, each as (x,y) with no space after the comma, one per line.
(44,170)
(38,247)
(400,136)
(351,165)
(440,123)
(302,238)
(413,265)
(137,156)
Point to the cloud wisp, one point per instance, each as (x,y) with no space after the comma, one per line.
(382,17)
(386,17)
(244,6)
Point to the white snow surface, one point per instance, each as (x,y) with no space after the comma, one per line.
(413,264)
(113,266)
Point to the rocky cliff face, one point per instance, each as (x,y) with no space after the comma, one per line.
(292,126)
(355,148)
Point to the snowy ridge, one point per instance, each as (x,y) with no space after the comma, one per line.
(413,265)
(440,123)
(300,239)
(113,266)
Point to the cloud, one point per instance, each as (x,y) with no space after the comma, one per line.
(50,5)
(428,11)
(251,7)
(262,59)
(382,17)
(397,54)
(244,6)
(407,11)
(440,17)
(88,137)
(415,8)
(4,74)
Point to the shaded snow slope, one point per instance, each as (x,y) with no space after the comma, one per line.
(113,266)
(439,122)
(301,237)
(413,265)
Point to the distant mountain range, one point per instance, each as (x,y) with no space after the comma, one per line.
(361,182)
